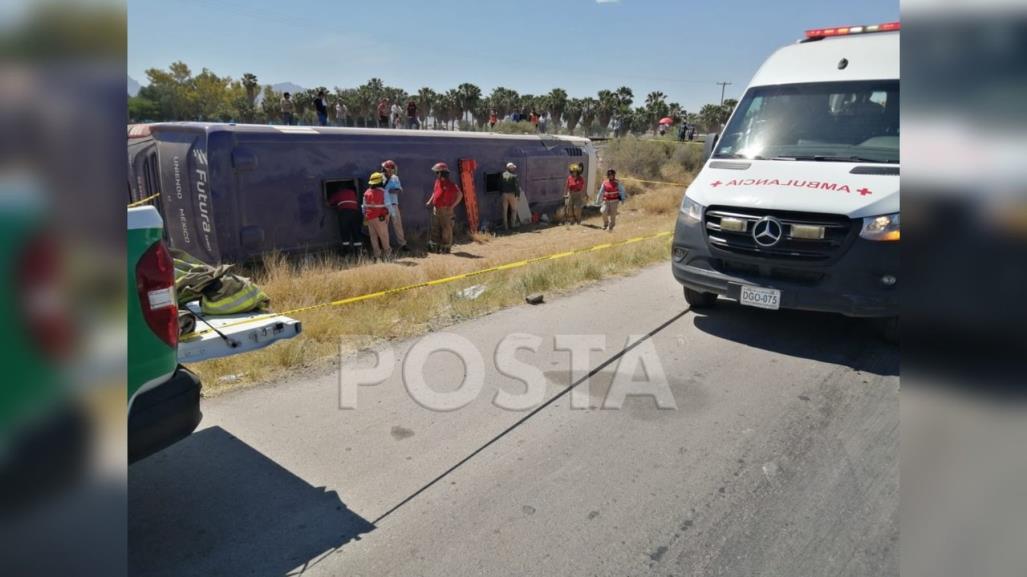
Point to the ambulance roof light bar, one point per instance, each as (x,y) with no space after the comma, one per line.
(817,33)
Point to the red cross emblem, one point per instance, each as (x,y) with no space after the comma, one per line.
(715,183)
(864,191)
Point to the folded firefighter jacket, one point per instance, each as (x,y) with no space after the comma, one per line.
(219,291)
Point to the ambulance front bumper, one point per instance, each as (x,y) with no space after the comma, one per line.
(862,282)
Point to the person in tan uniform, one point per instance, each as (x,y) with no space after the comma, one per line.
(376,214)
(611,193)
(445,197)
(574,195)
(510,187)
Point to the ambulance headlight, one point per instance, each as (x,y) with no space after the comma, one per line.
(691,210)
(882,228)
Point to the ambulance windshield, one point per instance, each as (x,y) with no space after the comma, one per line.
(831,121)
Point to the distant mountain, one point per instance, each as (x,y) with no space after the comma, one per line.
(134,86)
(288,87)
(281,87)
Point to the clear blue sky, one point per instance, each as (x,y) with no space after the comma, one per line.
(681,47)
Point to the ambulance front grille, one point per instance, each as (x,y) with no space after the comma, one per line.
(838,233)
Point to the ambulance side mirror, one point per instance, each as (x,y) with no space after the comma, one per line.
(709,143)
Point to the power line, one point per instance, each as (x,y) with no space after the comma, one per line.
(723,85)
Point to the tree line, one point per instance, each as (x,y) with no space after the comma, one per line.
(177,94)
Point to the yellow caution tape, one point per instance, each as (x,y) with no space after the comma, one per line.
(441,281)
(143,201)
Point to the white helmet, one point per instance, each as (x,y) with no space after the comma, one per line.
(511,166)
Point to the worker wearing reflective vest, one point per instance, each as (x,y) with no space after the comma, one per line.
(610,194)
(376,214)
(347,208)
(574,195)
(444,199)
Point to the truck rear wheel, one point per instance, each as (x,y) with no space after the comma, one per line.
(699,300)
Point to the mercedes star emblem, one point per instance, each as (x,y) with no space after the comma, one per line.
(767,232)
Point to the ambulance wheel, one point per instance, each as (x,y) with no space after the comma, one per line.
(888,329)
(699,300)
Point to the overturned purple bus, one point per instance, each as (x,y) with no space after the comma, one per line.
(233,192)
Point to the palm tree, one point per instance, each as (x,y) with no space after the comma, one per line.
(640,120)
(376,86)
(625,96)
(729,107)
(395,95)
(655,107)
(526,103)
(589,109)
(481,114)
(712,116)
(503,100)
(468,96)
(572,113)
(271,104)
(351,99)
(608,106)
(675,110)
(249,83)
(426,102)
(557,102)
(451,110)
(692,119)
(368,96)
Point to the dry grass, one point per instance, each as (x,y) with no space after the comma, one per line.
(482,237)
(317,280)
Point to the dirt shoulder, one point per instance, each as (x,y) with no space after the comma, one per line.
(323,279)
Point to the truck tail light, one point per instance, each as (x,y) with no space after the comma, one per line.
(47,318)
(155,281)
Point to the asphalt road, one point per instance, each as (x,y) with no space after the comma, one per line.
(780,459)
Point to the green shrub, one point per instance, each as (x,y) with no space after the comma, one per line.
(656,159)
(637,157)
(689,155)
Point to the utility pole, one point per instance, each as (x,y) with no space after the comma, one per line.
(723,85)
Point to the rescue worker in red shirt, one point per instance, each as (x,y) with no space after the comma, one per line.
(376,214)
(574,195)
(444,199)
(344,201)
(611,193)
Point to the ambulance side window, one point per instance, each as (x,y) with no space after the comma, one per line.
(752,119)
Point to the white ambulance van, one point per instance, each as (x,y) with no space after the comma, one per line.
(797,205)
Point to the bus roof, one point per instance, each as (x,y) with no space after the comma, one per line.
(210,127)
